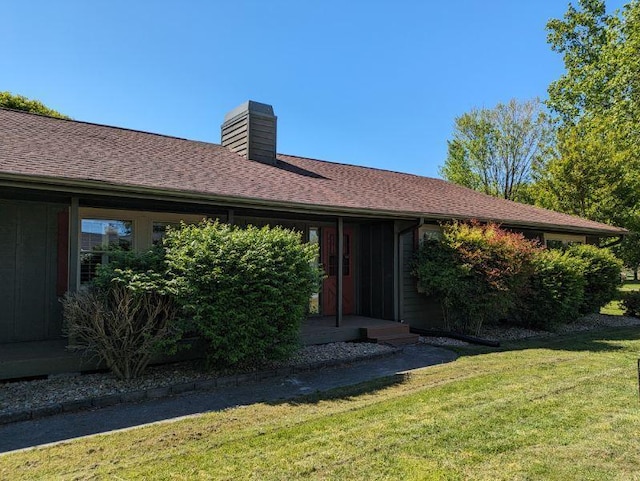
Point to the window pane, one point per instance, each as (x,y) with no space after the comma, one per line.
(101,235)
(554,244)
(89,261)
(314,301)
(159,229)
(98,236)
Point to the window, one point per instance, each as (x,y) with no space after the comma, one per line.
(428,231)
(560,241)
(159,229)
(97,238)
(102,230)
(314,301)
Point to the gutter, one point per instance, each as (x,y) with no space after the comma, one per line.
(93,187)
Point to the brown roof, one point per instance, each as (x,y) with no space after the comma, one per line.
(64,152)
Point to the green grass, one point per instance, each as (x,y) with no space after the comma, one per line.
(614,308)
(561,409)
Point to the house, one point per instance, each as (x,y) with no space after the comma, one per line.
(70,189)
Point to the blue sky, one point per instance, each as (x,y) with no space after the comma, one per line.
(374,83)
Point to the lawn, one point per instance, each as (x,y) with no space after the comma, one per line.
(614,308)
(565,408)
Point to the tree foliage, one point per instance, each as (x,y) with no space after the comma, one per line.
(18,102)
(629,252)
(597,104)
(590,177)
(496,150)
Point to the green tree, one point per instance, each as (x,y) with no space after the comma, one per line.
(590,176)
(629,252)
(583,38)
(18,102)
(495,151)
(597,104)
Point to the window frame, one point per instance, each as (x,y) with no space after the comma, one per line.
(566,239)
(141,226)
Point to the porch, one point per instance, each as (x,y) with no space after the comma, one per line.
(322,330)
(39,358)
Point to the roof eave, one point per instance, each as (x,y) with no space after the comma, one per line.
(87,186)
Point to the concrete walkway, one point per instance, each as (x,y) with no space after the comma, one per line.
(67,426)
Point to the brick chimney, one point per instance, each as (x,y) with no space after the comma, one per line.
(250,130)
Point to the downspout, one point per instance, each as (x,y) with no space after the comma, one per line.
(614,243)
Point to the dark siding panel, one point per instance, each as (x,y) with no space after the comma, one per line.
(62,277)
(376,270)
(365,271)
(8,264)
(31,272)
(418,310)
(388,270)
(29,307)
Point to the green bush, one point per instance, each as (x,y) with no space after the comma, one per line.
(477,271)
(128,266)
(555,291)
(126,315)
(601,271)
(245,291)
(631,303)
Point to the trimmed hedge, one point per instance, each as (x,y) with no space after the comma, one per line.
(555,291)
(631,303)
(477,271)
(245,291)
(483,274)
(601,271)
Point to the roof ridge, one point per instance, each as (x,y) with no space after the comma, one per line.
(95,124)
(378,169)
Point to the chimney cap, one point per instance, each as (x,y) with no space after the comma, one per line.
(250,106)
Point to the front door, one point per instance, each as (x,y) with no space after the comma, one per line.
(329,259)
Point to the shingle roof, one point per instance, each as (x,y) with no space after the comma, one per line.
(43,148)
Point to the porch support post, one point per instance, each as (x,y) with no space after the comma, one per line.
(339,279)
(74,244)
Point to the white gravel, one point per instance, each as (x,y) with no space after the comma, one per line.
(586,323)
(59,389)
(27,395)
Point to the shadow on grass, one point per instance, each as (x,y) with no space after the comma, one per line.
(307,387)
(347,392)
(585,341)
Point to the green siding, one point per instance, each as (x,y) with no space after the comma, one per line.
(29,307)
(375,280)
(418,310)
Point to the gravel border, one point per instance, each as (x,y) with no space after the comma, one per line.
(24,400)
(494,333)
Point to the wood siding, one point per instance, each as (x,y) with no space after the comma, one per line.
(251,134)
(375,280)
(29,306)
(417,309)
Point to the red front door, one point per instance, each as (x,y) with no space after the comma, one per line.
(329,259)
